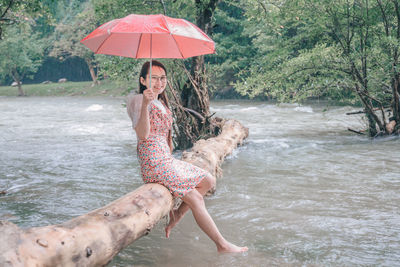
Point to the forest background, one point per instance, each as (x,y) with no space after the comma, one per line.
(289,51)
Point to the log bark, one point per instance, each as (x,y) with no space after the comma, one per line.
(210,154)
(93,239)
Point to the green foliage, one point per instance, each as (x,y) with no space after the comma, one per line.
(107,10)
(286,50)
(66,11)
(67,36)
(346,50)
(233,46)
(357,29)
(296,77)
(298,55)
(32,12)
(124,71)
(22,52)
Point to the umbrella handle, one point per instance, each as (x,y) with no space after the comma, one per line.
(151,66)
(151,61)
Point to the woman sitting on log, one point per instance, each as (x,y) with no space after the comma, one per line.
(152,121)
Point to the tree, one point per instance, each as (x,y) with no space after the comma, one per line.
(14,12)
(22,54)
(314,48)
(68,36)
(195,93)
(390,44)
(356,27)
(289,43)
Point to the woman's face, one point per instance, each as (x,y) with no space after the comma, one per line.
(158,81)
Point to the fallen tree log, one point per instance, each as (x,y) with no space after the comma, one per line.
(93,239)
(210,154)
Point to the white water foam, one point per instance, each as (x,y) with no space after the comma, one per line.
(304,109)
(94,107)
(249,108)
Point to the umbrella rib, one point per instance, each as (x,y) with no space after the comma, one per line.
(137,50)
(173,37)
(102,43)
(109,34)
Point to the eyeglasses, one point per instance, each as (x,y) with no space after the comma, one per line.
(162,79)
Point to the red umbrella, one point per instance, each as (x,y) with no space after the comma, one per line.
(149,36)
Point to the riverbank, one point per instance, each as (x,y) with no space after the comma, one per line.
(106,88)
(116,89)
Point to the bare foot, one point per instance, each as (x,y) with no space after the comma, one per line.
(174,218)
(231,248)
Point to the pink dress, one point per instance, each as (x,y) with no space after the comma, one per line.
(156,161)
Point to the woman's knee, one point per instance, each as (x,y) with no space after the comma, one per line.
(193,198)
(211,181)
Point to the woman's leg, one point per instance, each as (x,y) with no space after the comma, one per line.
(175,216)
(196,203)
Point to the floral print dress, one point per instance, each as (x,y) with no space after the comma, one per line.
(156,161)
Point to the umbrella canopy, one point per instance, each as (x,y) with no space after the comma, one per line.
(149,36)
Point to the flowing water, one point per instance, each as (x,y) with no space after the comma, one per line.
(301,191)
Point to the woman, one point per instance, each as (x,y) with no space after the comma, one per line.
(152,121)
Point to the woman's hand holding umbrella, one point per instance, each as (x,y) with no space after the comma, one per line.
(148,96)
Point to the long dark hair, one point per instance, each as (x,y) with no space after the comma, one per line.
(143,74)
(163,96)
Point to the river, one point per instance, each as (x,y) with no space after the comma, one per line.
(302,190)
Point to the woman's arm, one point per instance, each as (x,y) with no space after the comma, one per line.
(143,126)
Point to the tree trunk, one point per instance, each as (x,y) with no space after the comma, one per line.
(20,91)
(362,91)
(93,74)
(371,125)
(396,73)
(396,94)
(393,52)
(95,238)
(17,78)
(194,94)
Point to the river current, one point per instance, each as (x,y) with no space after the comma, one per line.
(301,191)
